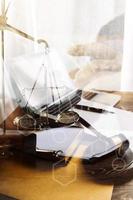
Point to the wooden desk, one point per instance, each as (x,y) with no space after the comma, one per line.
(27,178)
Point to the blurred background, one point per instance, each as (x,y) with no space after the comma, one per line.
(62,22)
(88,35)
(65,23)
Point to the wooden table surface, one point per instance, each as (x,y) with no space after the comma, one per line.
(27,178)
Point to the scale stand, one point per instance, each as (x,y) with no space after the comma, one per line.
(4,26)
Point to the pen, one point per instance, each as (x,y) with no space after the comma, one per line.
(91,109)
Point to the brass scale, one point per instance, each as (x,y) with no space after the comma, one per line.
(67,118)
(5,26)
(64,118)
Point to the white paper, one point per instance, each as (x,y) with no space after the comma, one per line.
(74,142)
(106,123)
(65,139)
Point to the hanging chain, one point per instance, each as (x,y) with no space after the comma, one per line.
(35,83)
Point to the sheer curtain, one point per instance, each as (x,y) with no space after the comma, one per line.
(61,22)
(127,70)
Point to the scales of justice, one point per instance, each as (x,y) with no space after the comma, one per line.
(27,117)
(33,116)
